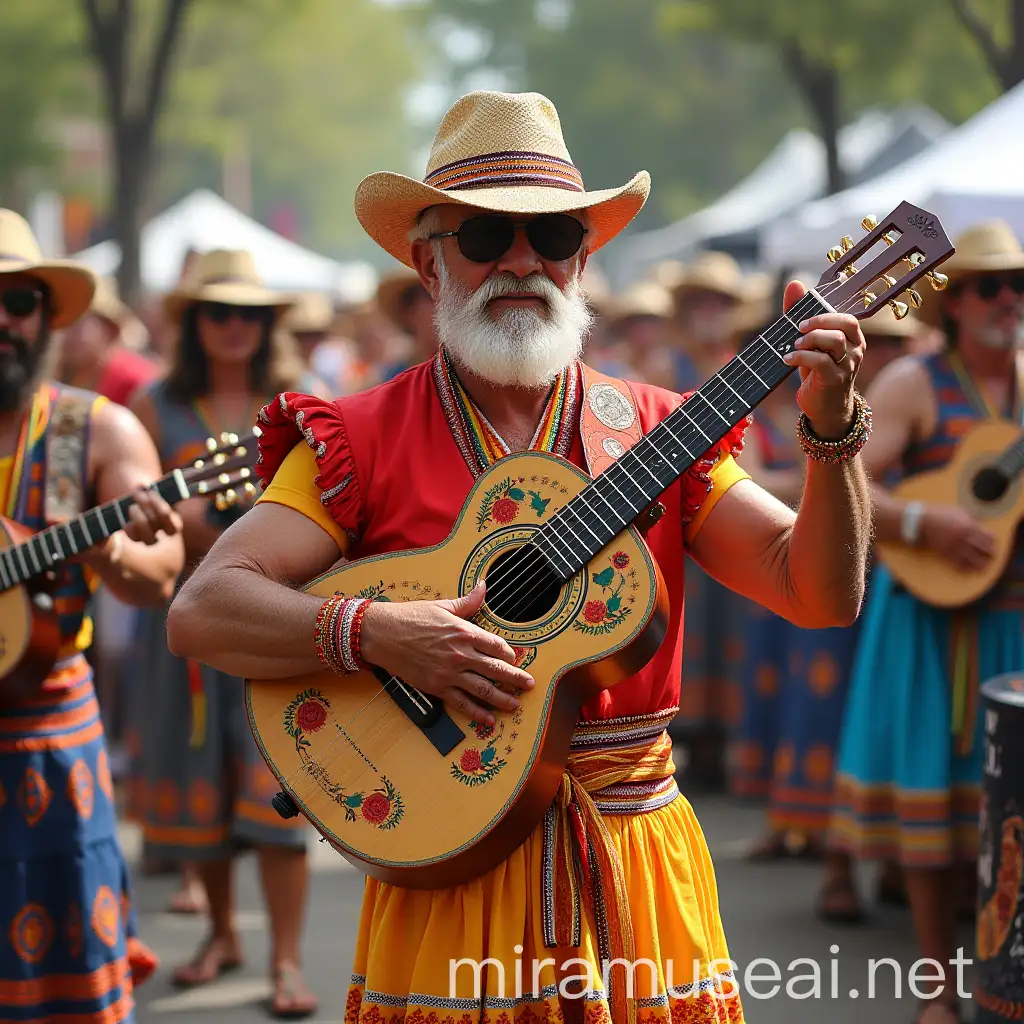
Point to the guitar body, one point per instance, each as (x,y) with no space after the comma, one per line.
(29,630)
(375,783)
(932,579)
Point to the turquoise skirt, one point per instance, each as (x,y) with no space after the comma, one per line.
(908,775)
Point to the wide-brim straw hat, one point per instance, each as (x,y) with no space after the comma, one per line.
(501,152)
(756,309)
(391,291)
(71,285)
(711,272)
(643,299)
(107,303)
(224,275)
(312,312)
(990,246)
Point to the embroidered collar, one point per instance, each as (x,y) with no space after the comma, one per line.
(481,445)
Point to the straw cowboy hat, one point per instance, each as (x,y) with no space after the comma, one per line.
(985,247)
(711,272)
(71,285)
(391,294)
(502,152)
(756,309)
(106,303)
(223,275)
(645,298)
(313,312)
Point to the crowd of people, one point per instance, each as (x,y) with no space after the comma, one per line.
(843,733)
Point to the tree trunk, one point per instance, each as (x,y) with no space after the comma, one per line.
(819,86)
(1007,63)
(132,158)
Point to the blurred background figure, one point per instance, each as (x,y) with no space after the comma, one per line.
(327,358)
(205,787)
(639,324)
(408,307)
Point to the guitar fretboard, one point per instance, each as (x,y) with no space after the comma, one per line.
(48,548)
(638,477)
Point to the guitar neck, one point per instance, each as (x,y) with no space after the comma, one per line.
(49,548)
(1011,460)
(614,499)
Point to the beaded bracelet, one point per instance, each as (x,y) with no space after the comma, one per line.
(325,633)
(347,634)
(846,447)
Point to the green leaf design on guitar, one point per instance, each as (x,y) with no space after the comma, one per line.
(602,615)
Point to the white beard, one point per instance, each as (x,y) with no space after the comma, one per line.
(521,348)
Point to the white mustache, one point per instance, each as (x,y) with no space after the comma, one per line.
(498,285)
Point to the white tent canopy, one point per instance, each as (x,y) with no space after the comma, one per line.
(974,172)
(204,221)
(794,172)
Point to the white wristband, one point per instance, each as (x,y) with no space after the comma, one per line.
(910,524)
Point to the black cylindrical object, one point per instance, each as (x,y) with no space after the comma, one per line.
(999,937)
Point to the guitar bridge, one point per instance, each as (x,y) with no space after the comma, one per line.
(427,714)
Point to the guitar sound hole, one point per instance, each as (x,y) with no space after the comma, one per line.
(990,484)
(521,586)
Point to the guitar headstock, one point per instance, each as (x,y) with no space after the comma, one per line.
(225,472)
(894,255)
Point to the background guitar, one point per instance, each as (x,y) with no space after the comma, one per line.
(984,479)
(29,634)
(419,795)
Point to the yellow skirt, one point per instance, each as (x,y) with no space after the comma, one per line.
(476,953)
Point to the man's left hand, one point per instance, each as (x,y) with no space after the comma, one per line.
(828,356)
(148,517)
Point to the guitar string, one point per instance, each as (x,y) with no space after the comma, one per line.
(761,363)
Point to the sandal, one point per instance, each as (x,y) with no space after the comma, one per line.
(192,974)
(287,1001)
(838,902)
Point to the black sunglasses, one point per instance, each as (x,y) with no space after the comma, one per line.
(988,286)
(222,312)
(20,302)
(554,236)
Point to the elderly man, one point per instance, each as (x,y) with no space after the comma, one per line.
(499,233)
(65,902)
(910,761)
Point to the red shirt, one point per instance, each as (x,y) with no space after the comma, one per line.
(126,371)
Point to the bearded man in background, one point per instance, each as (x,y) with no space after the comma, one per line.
(499,233)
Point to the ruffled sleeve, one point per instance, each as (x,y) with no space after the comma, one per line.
(696,482)
(293,417)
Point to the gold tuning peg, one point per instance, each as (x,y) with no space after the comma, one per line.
(847,272)
(869,223)
(869,297)
(249,489)
(211,444)
(245,472)
(889,280)
(888,240)
(846,242)
(230,496)
(203,487)
(834,254)
(914,297)
(198,464)
(937,281)
(232,439)
(220,503)
(900,309)
(219,459)
(224,479)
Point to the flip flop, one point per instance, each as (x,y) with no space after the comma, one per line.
(224,966)
(288,975)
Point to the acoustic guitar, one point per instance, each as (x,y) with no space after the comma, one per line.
(29,630)
(417,794)
(984,479)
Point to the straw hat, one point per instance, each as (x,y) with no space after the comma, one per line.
(646,298)
(756,308)
(712,272)
(502,152)
(988,246)
(71,284)
(391,291)
(312,312)
(223,275)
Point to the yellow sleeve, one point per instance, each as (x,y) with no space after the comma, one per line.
(724,474)
(294,486)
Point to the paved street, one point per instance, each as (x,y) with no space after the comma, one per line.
(767,910)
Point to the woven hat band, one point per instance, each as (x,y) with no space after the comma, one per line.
(511,168)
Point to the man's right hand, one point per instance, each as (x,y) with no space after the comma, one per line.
(431,645)
(955,534)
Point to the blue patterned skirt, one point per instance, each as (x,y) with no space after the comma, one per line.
(908,782)
(65,901)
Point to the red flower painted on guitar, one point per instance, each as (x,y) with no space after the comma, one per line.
(475,766)
(311,716)
(595,611)
(482,729)
(602,615)
(504,510)
(376,808)
(620,560)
